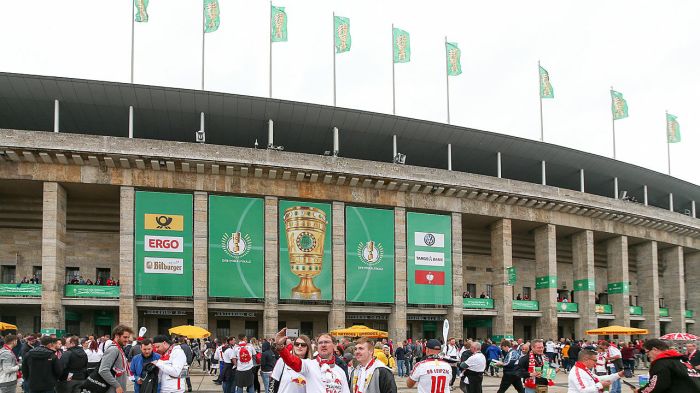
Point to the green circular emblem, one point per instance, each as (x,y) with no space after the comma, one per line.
(306,241)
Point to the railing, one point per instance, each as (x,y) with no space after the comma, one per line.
(101,291)
(636,310)
(477,303)
(603,309)
(663,311)
(20,290)
(567,307)
(526,305)
(689,314)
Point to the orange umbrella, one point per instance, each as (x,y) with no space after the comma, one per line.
(616,331)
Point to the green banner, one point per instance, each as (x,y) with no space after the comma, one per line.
(512,275)
(567,307)
(526,305)
(20,289)
(471,302)
(305,236)
(603,309)
(689,314)
(342,37)
(584,285)
(500,337)
(636,310)
(546,282)
(478,323)
(618,287)
(663,312)
(58,332)
(369,255)
(429,258)
(92,291)
(278,24)
(236,247)
(104,318)
(163,244)
(211,16)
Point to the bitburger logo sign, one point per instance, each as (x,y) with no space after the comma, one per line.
(163,265)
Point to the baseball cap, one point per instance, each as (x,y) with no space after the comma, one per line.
(433,344)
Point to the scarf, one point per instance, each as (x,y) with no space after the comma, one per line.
(531,383)
(581,366)
(326,365)
(365,371)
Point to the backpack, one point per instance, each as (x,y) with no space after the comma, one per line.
(149,383)
(244,355)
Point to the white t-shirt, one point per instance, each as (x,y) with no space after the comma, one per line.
(432,376)
(245,356)
(551,346)
(228,355)
(333,380)
(290,381)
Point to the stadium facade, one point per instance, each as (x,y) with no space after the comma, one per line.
(322,229)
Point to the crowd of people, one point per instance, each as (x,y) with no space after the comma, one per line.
(299,364)
(79,280)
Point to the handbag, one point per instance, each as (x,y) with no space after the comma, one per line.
(94,383)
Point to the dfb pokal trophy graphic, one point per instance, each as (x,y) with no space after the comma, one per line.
(306,233)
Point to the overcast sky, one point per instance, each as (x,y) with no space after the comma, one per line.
(648,50)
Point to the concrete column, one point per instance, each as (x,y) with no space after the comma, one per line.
(272,269)
(648,282)
(584,282)
(501,259)
(618,272)
(200,261)
(454,313)
(53,255)
(336,318)
(546,276)
(397,319)
(674,291)
(692,275)
(127,305)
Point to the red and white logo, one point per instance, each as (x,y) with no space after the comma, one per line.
(430,277)
(163,243)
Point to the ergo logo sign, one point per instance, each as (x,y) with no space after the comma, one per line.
(163,243)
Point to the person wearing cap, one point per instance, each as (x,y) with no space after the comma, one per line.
(432,374)
(379,353)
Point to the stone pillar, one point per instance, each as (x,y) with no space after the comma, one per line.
(501,259)
(53,255)
(584,282)
(674,292)
(336,318)
(397,318)
(692,275)
(272,269)
(546,280)
(618,272)
(454,313)
(127,305)
(648,284)
(200,260)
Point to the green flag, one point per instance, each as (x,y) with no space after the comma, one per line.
(343,40)
(141,14)
(211,15)
(402,46)
(673,129)
(546,89)
(454,63)
(278,24)
(619,105)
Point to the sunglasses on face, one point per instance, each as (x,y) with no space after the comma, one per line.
(300,344)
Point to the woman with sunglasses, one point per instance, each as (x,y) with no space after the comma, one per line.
(286,380)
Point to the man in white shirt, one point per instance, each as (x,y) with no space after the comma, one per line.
(473,370)
(432,374)
(551,350)
(582,380)
(614,357)
(244,359)
(172,365)
(452,357)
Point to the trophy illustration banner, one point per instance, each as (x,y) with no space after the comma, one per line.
(163,244)
(236,247)
(429,258)
(305,235)
(369,255)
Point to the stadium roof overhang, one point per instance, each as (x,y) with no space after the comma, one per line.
(163,113)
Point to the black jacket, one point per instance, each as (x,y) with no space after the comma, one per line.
(267,359)
(574,351)
(524,364)
(669,372)
(42,368)
(74,360)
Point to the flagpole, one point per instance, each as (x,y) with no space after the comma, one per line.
(540,94)
(393,73)
(133,16)
(668,146)
(333,41)
(613,128)
(203,42)
(447,80)
(270,33)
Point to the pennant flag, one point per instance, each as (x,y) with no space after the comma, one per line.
(546,89)
(402,46)
(427,277)
(343,40)
(619,105)
(141,14)
(211,15)
(673,129)
(454,63)
(278,23)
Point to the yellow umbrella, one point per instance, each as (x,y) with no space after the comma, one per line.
(189,331)
(616,330)
(360,331)
(7,326)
